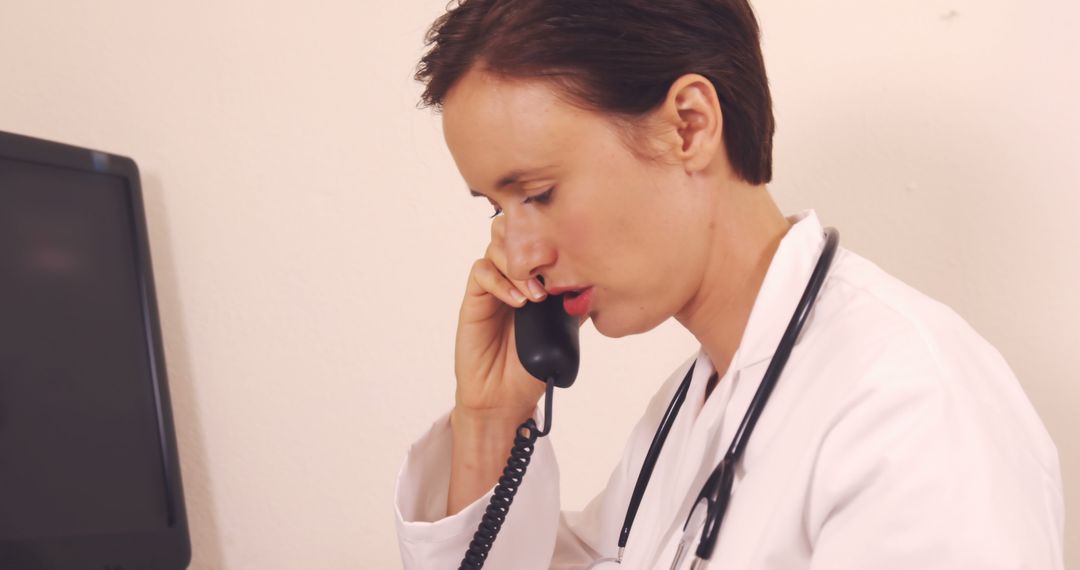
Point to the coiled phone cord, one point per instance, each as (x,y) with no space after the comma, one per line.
(524,444)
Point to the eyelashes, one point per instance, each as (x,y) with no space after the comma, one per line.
(542,198)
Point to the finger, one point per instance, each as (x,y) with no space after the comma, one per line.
(531,288)
(496,251)
(487,279)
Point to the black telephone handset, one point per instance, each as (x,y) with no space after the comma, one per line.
(547,341)
(547,346)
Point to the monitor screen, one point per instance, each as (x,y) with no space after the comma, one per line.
(80,445)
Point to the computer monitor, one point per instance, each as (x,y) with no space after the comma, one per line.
(89,471)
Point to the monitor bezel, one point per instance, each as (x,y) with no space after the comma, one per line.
(165,549)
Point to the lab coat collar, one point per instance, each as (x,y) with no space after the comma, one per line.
(784,282)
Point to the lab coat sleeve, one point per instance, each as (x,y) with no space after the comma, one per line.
(428,538)
(935,467)
(537,534)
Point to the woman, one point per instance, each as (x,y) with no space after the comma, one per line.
(625,147)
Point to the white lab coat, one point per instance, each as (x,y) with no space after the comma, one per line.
(896,438)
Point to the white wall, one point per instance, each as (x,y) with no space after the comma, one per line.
(312,237)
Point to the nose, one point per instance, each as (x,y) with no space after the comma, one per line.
(528,251)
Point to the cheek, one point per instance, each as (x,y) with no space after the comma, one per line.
(602,230)
(628,219)
(616,226)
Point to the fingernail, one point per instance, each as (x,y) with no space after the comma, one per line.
(517,296)
(537,290)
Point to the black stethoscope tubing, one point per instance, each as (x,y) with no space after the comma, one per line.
(717,489)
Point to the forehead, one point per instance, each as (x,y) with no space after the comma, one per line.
(494,124)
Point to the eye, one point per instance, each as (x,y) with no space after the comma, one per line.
(542,198)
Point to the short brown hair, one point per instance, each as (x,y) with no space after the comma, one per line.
(618,57)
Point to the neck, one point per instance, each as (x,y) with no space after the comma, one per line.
(745,232)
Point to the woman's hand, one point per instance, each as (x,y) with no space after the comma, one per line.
(495,393)
(492,385)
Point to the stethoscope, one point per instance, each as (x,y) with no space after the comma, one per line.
(712,502)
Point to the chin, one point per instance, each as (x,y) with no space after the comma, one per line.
(618,328)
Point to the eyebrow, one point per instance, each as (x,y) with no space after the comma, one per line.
(511,178)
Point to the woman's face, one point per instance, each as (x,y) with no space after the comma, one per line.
(635,230)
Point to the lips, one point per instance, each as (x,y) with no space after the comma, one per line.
(577,303)
(560,290)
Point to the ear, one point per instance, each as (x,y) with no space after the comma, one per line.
(693,121)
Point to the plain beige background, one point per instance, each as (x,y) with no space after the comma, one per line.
(311,236)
